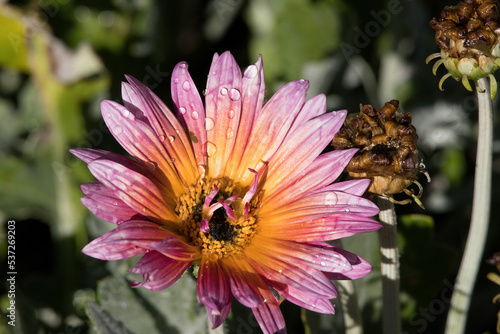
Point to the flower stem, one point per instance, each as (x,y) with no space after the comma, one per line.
(389,266)
(471,259)
(350,310)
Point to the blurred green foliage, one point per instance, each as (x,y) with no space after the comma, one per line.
(59,58)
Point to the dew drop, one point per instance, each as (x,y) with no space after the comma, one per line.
(209,123)
(331,199)
(171,139)
(115,203)
(172,160)
(117,130)
(223,91)
(151,166)
(230,133)
(347,210)
(211,149)
(251,71)
(313,306)
(234,94)
(143,210)
(162,137)
(125,112)
(323,263)
(280,271)
(195,115)
(231,114)
(182,110)
(176,80)
(265,300)
(186,86)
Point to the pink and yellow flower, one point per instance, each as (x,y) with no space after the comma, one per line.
(233,186)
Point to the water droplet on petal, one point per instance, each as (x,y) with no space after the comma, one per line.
(182,110)
(195,115)
(151,165)
(172,160)
(211,149)
(162,137)
(347,210)
(176,80)
(115,203)
(171,139)
(223,91)
(323,263)
(231,114)
(251,71)
(143,210)
(209,123)
(125,112)
(234,94)
(280,271)
(186,86)
(230,133)
(117,130)
(331,199)
(313,306)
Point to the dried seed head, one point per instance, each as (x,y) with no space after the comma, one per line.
(468,35)
(387,143)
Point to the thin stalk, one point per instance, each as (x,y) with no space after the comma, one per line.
(352,316)
(353,323)
(478,230)
(389,267)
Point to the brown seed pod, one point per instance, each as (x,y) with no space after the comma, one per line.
(387,143)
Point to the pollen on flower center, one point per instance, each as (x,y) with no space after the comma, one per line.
(217,218)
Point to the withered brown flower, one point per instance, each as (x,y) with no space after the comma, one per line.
(468,35)
(388,153)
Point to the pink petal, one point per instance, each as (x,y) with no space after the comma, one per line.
(159,272)
(319,256)
(213,291)
(319,204)
(142,142)
(244,282)
(253,93)
(271,127)
(302,299)
(314,107)
(270,318)
(353,187)
(133,188)
(301,148)
(128,239)
(307,279)
(321,229)
(176,248)
(322,171)
(167,127)
(189,108)
(223,110)
(102,202)
(360,267)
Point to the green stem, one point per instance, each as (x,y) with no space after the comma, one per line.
(478,230)
(389,266)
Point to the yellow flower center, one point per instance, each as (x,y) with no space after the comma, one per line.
(231,223)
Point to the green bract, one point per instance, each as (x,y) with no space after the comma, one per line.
(468,68)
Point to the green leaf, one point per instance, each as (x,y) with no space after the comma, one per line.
(103,322)
(172,310)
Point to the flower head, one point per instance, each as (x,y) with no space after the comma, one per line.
(387,144)
(468,35)
(234,187)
